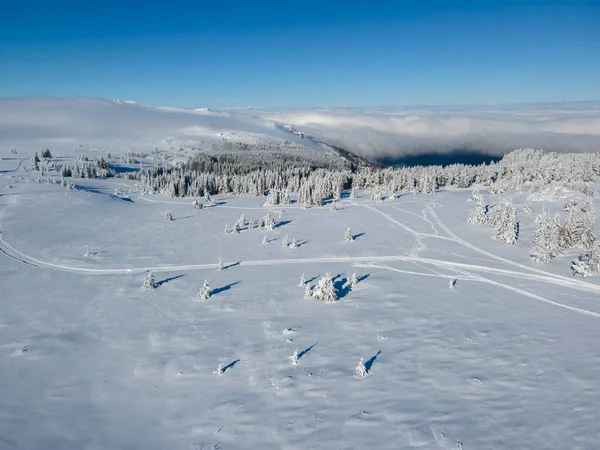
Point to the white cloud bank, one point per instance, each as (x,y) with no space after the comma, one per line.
(384,133)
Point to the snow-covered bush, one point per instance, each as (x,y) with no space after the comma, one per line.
(168,216)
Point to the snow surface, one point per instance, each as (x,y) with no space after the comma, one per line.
(88,359)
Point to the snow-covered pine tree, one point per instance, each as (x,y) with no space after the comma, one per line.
(308,291)
(220,370)
(333,206)
(353,193)
(251,224)
(545,239)
(507,227)
(236,228)
(325,289)
(588,235)
(527,208)
(361,369)
(478,214)
(265,240)
(353,279)
(294,357)
(348,236)
(569,205)
(149,281)
(294,243)
(227,231)
(570,234)
(452,283)
(284,242)
(588,263)
(205,291)
(302,281)
(220,265)
(168,216)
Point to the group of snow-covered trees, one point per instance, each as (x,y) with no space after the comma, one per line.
(501,215)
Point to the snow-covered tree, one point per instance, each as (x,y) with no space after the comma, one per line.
(294,357)
(302,281)
(353,194)
(507,227)
(588,235)
(227,231)
(205,291)
(308,291)
(325,289)
(236,228)
(196,203)
(353,279)
(284,241)
(220,370)
(545,242)
(168,216)
(527,208)
(477,215)
(348,236)
(268,222)
(88,252)
(251,224)
(569,205)
(265,240)
(149,281)
(294,243)
(361,369)
(220,265)
(333,206)
(452,283)
(588,263)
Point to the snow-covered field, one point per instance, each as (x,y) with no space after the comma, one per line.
(508,358)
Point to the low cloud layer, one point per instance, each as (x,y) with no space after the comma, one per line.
(394,133)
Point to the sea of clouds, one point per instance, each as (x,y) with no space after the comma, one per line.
(393,133)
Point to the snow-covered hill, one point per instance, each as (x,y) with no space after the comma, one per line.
(32,123)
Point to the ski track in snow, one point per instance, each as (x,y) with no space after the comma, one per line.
(362,261)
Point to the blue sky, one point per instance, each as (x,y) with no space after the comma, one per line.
(302,54)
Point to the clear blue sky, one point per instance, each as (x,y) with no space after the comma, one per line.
(223,53)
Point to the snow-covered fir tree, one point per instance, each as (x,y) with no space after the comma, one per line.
(265,240)
(527,208)
(227,231)
(333,206)
(588,236)
(353,194)
(294,243)
(308,291)
(284,241)
(478,214)
(168,216)
(236,228)
(353,279)
(569,205)
(251,224)
(302,281)
(545,243)
(361,369)
(205,291)
(507,226)
(220,370)
(220,265)
(588,263)
(348,236)
(325,289)
(452,283)
(294,357)
(149,281)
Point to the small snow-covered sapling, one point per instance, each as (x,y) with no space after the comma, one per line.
(284,242)
(205,291)
(294,357)
(220,265)
(361,369)
(149,281)
(265,240)
(302,281)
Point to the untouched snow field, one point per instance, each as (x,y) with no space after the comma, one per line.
(508,359)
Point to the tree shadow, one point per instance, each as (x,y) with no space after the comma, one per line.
(305,351)
(363,277)
(356,236)
(302,242)
(232,265)
(342,286)
(224,288)
(230,365)
(282,223)
(311,280)
(181,218)
(370,362)
(165,281)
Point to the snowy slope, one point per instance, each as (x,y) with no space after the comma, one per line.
(31,123)
(88,359)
